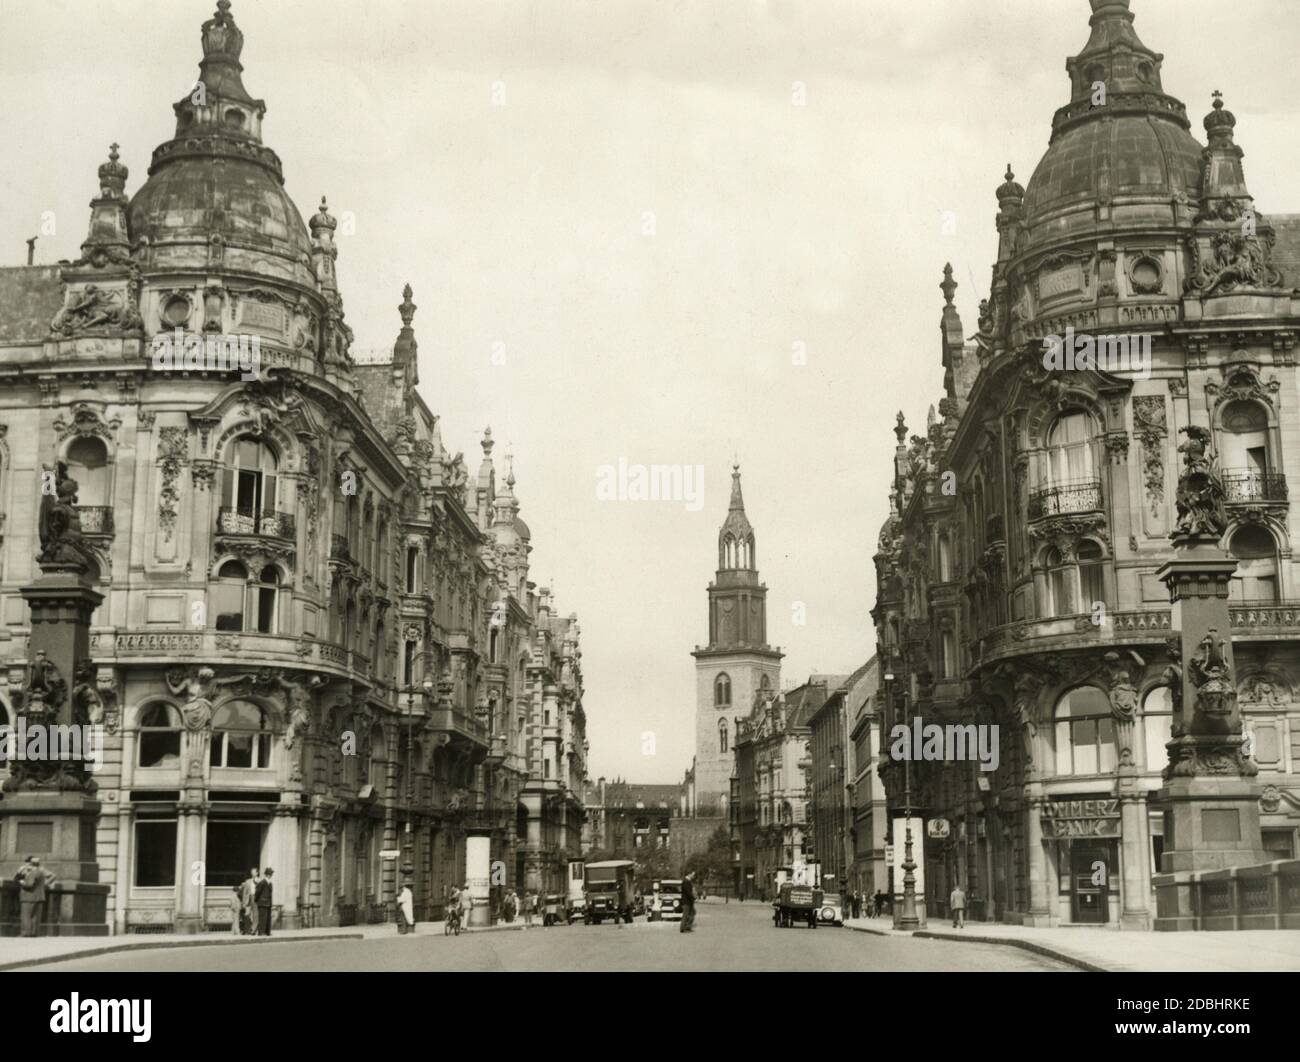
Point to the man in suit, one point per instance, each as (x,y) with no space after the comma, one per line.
(263,897)
(33,882)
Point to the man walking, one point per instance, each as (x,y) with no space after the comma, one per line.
(263,897)
(34,882)
(957,901)
(688,904)
(466,906)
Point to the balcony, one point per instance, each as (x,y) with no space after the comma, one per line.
(1063,499)
(247,522)
(1243,486)
(96,519)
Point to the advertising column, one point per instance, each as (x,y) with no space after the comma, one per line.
(478,872)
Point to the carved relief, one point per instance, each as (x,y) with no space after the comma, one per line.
(1150,427)
(173,455)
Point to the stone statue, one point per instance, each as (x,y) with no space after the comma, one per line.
(46,689)
(1123,701)
(1200,488)
(95,307)
(1173,678)
(87,705)
(59,523)
(1216,697)
(197,710)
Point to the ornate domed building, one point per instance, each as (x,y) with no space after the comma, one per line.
(1137,290)
(318,648)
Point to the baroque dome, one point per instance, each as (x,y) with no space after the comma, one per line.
(215,181)
(1120,136)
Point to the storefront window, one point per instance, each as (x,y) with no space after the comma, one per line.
(160,737)
(155,853)
(1085,733)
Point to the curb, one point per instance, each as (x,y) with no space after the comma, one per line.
(1023,945)
(85,953)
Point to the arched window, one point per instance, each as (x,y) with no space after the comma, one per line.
(267,592)
(350,625)
(1245,457)
(241,736)
(722,691)
(380,651)
(1092,584)
(1059,577)
(1256,576)
(765,682)
(948,654)
(722,735)
(381,552)
(1085,733)
(1157,726)
(228,594)
(750,554)
(1069,450)
(159,741)
(88,464)
(248,486)
(412,568)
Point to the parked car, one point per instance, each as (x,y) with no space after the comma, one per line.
(555,910)
(610,890)
(832,912)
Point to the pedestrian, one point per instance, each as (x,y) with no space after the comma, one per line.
(855,904)
(528,909)
(466,906)
(688,904)
(248,902)
(263,898)
(34,882)
(957,901)
(405,909)
(236,910)
(879,904)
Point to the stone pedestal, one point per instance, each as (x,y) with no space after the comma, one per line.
(49,808)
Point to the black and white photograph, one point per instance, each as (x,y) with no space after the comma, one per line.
(707,487)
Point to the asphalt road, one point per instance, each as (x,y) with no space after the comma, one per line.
(727,937)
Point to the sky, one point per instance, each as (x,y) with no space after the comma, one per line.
(681,232)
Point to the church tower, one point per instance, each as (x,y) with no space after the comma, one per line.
(737,664)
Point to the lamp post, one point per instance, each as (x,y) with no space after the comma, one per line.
(907,917)
(408,840)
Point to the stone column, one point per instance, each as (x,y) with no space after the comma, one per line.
(1041,912)
(286,861)
(188,917)
(1135,857)
(1210,800)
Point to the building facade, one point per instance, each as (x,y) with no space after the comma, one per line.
(1016,573)
(318,649)
(869,820)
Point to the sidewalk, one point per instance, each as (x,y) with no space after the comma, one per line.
(1116,951)
(18,952)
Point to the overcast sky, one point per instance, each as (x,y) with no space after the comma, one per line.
(793,160)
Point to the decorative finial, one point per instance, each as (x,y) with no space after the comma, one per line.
(1219,123)
(112,176)
(488,442)
(322,220)
(407,308)
(900,429)
(1009,188)
(949,285)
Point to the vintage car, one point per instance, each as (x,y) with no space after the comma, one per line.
(832,911)
(555,911)
(666,904)
(610,888)
(797,903)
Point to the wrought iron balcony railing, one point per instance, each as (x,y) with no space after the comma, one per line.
(96,519)
(1060,499)
(1248,485)
(249,522)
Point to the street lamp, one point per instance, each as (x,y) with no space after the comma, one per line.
(907,918)
(408,841)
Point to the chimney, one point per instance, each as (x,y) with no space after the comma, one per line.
(31,249)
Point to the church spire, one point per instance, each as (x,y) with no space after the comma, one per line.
(736,536)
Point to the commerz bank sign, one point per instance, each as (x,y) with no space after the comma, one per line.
(1081,818)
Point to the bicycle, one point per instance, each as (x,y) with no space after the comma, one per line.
(452,925)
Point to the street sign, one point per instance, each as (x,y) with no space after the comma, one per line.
(937,829)
(390,853)
(889,855)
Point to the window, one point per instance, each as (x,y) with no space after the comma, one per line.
(945,559)
(155,853)
(88,465)
(722,691)
(249,478)
(948,661)
(1157,726)
(1085,733)
(1092,584)
(228,594)
(408,664)
(1245,438)
(267,594)
(240,736)
(765,682)
(1058,584)
(412,565)
(1069,450)
(1256,576)
(159,741)
(722,735)
(381,650)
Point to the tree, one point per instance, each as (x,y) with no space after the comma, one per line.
(712,866)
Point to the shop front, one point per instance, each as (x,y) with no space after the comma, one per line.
(1083,840)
